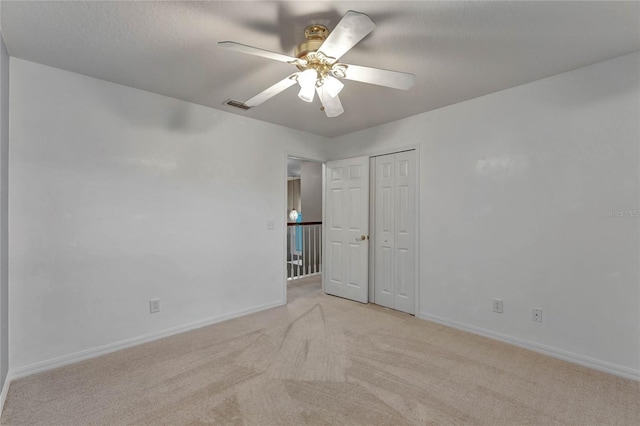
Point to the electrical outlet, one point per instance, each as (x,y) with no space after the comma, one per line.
(271,225)
(154,306)
(536,314)
(497,305)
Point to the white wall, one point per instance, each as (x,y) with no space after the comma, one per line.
(118,196)
(4,212)
(311,191)
(514,193)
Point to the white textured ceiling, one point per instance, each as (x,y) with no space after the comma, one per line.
(457,50)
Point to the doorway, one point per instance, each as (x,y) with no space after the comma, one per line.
(304,220)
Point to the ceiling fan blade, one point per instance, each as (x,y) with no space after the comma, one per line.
(332,105)
(243,48)
(352,28)
(394,79)
(271,91)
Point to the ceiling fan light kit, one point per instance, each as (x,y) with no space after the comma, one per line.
(332,85)
(307,80)
(319,69)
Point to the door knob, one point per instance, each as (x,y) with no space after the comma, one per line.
(361,238)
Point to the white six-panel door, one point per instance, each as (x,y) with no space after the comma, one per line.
(394,252)
(347,228)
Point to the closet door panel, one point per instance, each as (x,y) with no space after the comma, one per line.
(384,264)
(404,189)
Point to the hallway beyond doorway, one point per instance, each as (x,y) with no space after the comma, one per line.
(304,287)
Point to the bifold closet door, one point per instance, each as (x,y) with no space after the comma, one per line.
(394,276)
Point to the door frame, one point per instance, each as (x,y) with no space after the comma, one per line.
(284,222)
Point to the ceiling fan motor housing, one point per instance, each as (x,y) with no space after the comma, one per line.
(315,35)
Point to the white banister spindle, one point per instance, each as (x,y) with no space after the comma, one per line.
(313,250)
(308,250)
(300,253)
(290,251)
(320,246)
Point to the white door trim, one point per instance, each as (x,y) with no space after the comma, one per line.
(372,222)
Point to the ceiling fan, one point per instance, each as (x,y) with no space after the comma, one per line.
(319,69)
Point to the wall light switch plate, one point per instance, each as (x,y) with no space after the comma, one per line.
(154,306)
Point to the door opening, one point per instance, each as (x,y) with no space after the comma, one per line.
(304,223)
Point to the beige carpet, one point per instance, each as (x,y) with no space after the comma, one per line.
(323,360)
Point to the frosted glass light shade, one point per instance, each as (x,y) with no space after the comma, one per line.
(307,80)
(332,105)
(293,215)
(332,86)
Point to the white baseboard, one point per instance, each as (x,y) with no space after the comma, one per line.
(49,364)
(585,361)
(5,391)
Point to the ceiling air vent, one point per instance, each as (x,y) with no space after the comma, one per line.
(237,104)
